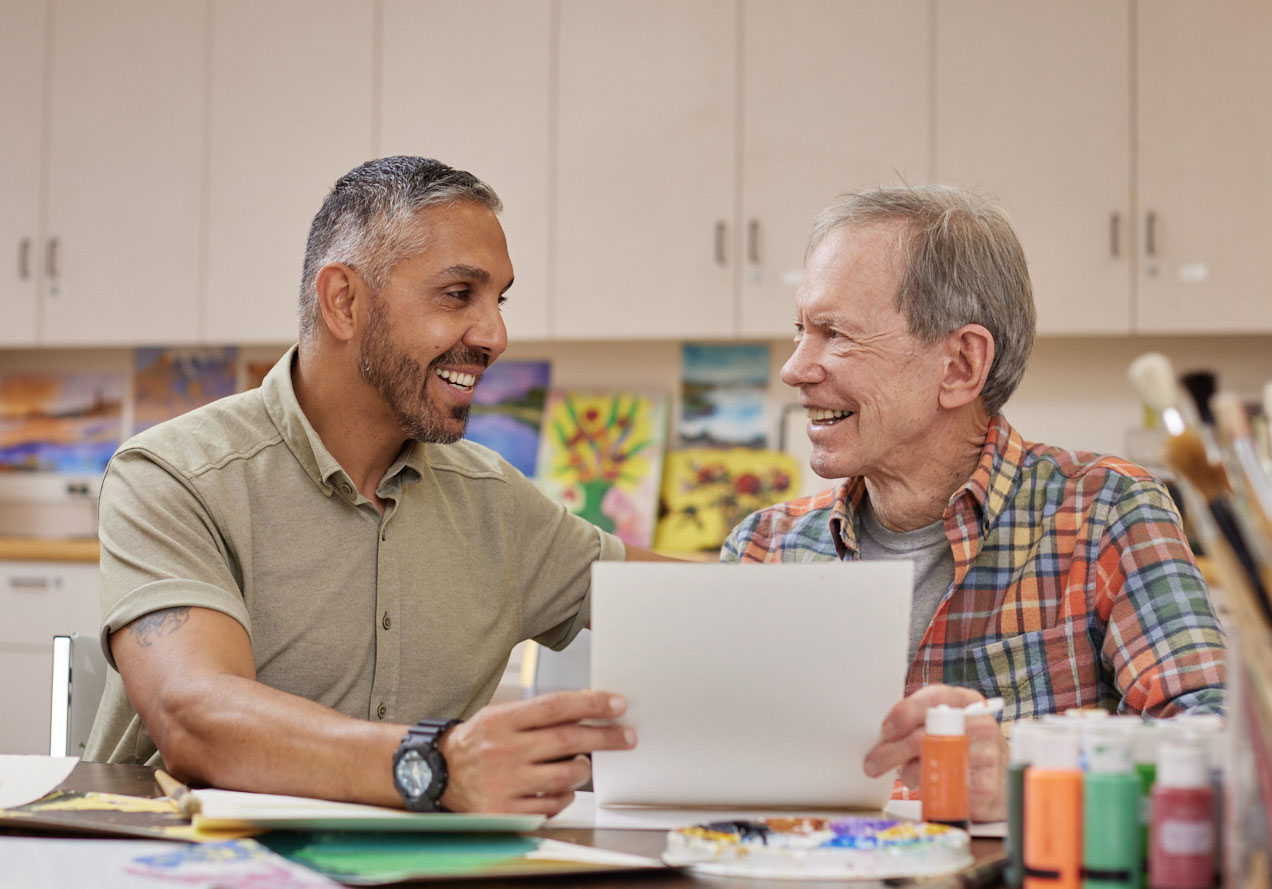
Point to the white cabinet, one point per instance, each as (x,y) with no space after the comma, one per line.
(1205,166)
(290,111)
(22,41)
(38,600)
(646,169)
(1033,106)
(835,97)
(469,82)
(126,142)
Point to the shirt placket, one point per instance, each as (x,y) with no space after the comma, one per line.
(388,610)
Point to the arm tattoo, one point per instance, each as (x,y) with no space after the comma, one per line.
(148,628)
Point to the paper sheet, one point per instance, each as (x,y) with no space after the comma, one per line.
(584,813)
(24,779)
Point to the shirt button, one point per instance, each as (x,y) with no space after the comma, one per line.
(381,711)
(386,623)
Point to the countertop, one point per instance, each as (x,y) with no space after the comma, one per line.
(39,549)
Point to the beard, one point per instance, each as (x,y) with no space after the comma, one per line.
(403,382)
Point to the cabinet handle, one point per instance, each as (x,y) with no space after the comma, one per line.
(720,231)
(1150,233)
(24,259)
(1115,235)
(753,241)
(51,259)
(29,583)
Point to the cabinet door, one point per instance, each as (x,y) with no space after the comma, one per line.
(1205,166)
(126,150)
(39,600)
(646,166)
(469,83)
(22,41)
(815,123)
(1033,106)
(291,108)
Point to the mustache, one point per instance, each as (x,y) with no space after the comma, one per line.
(460,355)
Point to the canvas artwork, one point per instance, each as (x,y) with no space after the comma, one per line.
(507,411)
(706,492)
(67,422)
(169,382)
(601,455)
(723,393)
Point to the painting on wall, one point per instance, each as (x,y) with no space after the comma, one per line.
(706,492)
(169,382)
(507,411)
(722,395)
(602,456)
(69,422)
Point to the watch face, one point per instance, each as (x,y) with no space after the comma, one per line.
(413,774)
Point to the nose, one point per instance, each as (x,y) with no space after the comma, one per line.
(802,368)
(488,334)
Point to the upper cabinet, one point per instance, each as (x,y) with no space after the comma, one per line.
(290,110)
(125,151)
(645,169)
(469,82)
(834,97)
(1033,106)
(1204,114)
(22,245)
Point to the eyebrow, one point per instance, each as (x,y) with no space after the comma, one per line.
(471,272)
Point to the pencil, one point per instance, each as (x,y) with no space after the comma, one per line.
(178,794)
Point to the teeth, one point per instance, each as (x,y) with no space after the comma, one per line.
(467,381)
(818,414)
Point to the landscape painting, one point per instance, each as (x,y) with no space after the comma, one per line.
(722,397)
(169,382)
(60,422)
(507,411)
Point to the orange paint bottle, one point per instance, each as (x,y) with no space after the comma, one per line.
(1053,813)
(945,763)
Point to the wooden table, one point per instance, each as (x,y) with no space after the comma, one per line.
(139,781)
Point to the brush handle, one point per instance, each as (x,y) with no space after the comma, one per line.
(1226,522)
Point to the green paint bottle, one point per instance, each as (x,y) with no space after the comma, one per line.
(1111,855)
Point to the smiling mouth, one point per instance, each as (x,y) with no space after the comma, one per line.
(821,417)
(454,378)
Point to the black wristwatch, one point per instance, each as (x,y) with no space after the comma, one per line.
(419,769)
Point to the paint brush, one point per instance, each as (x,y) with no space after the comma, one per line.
(178,794)
(1252,487)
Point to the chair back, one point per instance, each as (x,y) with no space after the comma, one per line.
(79,675)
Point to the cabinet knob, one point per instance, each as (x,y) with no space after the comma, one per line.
(1115,235)
(31,583)
(1150,233)
(753,242)
(24,259)
(50,259)
(721,231)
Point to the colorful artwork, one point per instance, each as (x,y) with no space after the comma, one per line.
(254,373)
(507,411)
(706,492)
(723,394)
(601,455)
(60,422)
(169,382)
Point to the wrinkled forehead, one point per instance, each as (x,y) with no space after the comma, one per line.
(854,269)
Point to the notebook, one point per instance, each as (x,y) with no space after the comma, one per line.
(749,685)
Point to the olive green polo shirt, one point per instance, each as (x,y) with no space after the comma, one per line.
(238,507)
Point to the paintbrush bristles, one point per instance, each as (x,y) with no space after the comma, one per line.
(1230,416)
(1186,454)
(1153,377)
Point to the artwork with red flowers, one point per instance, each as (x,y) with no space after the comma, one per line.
(706,492)
(601,454)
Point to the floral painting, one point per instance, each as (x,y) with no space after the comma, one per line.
(706,492)
(601,455)
(507,411)
(67,422)
(169,382)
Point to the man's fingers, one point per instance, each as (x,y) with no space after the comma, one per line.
(890,755)
(561,707)
(562,741)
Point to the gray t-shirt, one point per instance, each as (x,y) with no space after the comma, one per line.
(238,507)
(928,548)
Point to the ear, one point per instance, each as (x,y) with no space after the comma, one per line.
(339,289)
(969,354)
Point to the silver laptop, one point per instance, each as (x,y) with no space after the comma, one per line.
(749,685)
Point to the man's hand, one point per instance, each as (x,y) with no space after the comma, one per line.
(528,756)
(903,733)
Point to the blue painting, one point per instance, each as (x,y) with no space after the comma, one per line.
(507,411)
(69,422)
(723,393)
(169,382)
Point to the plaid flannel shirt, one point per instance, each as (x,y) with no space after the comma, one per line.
(1074,585)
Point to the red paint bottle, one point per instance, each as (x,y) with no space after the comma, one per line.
(1181,844)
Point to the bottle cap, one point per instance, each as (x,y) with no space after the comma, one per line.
(1181,765)
(1055,750)
(1022,737)
(1108,753)
(1145,743)
(944,720)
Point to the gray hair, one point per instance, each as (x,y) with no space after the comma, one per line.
(964,266)
(366,221)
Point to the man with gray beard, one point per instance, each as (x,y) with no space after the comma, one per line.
(293,576)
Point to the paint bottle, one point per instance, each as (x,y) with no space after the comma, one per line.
(945,764)
(1181,837)
(1145,743)
(1018,762)
(1053,812)
(1111,856)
